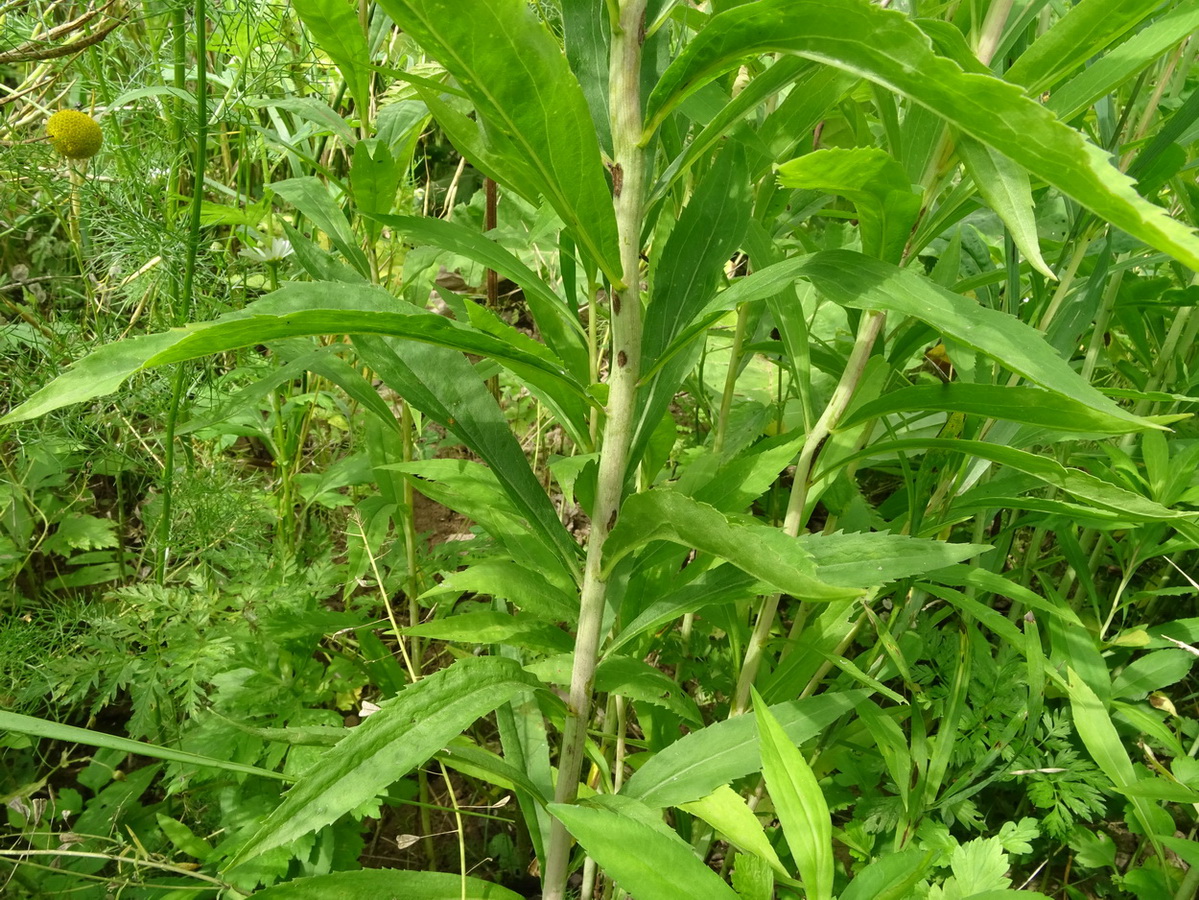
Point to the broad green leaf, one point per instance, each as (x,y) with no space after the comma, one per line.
(311,197)
(310,109)
(885,47)
(405,732)
(726,811)
(874,182)
(557,324)
(496,628)
(643,861)
(764,552)
(585,35)
(515,73)
(292,311)
(1083,32)
(1005,188)
(1027,405)
(387,883)
(700,762)
(1122,62)
(640,681)
(1152,672)
(799,804)
(891,876)
(333,26)
(70,734)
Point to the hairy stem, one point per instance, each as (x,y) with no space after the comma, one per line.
(624,365)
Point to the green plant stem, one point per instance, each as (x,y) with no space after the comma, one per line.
(730,380)
(189,276)
(625,109)
(868,331)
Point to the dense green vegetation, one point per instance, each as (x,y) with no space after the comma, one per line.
(482,449)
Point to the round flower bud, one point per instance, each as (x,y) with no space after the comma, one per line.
(74,134)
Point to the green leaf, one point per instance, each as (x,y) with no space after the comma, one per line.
(1027,405)
(374,179)
(1005,188)
(1124,61)
(405,732)
(764,552)
(333,25)
(509,580)
(874,182)
(700,762)
(644,861)
(861,559)
(515,73)
(1087,28)
(311,197)
(885,47)
(640,681)
(1152,672)
(496,628)
(294,310)
(799,803)
(726,811)
(557,324)
(387,883)
(707,234)
(68,733)
(890,877)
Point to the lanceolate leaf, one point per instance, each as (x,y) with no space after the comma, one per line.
(1004,185)
(297,309)
(697,764)
(799,802)
(1031,406)
(19,724)
(885,47)
(387,883)
(1088,28)
(644,861)
(513,70)
(405,732)
(764,552)
(1124,61)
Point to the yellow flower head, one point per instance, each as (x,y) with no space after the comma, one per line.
(74,134)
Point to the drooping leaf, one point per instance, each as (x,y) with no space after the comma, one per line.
(726,811)
(515,73)
(20,724)
(405,732)
(1004,185)
(885,47)
(311,197)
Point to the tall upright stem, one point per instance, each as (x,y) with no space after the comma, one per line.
(624,366)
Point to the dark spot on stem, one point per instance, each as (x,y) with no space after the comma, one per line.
(617,179)
(616,304)
(611,520)
(622,359)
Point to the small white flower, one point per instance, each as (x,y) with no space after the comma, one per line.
(274,250)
